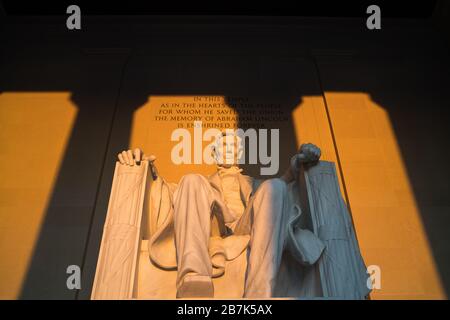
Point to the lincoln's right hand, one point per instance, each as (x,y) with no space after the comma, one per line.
(131,158)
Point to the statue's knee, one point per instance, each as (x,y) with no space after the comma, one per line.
(192,179)
(274,187)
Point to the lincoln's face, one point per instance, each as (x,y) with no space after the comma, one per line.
(227,150)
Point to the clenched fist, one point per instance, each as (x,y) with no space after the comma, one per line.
(309,153)
(131,158)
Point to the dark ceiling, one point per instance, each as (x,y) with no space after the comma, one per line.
(421,9)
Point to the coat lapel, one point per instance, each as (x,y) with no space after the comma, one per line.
(214,180)
(246,184)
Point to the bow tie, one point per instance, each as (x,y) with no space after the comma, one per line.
(228,171)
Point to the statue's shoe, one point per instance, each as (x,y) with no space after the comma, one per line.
(196,287)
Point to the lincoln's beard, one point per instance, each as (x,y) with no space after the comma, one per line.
(226,165)
(226,160)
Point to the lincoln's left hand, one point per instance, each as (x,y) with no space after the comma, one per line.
(308,153)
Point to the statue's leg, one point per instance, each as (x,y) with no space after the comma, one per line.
(192,224)
(266,220)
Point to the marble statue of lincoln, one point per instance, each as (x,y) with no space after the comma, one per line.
(241,205)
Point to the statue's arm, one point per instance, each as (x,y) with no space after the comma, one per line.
(308,153)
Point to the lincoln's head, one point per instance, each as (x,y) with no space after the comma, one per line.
(227,149)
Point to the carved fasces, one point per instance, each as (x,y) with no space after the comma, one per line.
(341,266)
(116,266)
